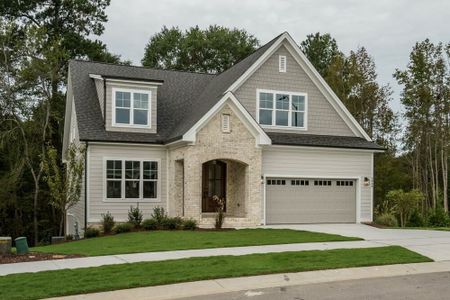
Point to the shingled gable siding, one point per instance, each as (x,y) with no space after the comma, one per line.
(322,163)
(137,86)
(322,117)
(119,209)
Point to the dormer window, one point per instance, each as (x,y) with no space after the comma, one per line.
(131,108)
(282,109)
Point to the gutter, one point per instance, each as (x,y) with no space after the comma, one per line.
(104,103)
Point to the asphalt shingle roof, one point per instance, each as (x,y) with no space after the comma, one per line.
(183,98)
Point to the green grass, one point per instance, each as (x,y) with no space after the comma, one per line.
(150,241)
(114,277)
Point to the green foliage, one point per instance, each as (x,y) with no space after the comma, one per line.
(123,228)
(189,224)
(321,50)
(150,224)
(107,222)
(172,223)
(417,219)
(405,203)
(386,219)
(220,212)
(159,214)
(438,218)
(65,186)
(210,50)
(135,216)
(91,232)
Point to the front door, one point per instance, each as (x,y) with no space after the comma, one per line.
(214,184)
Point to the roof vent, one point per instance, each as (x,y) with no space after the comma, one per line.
(282,63)
(226,127)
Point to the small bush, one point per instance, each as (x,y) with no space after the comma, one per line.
(189,224)
(439,218)
(135,216)
(150,224)
(172,223)
(387,219)
(159,215)
(123,227)
(69,237)
(107,222)
(416,220)
(91,232)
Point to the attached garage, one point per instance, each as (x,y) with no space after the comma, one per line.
(310,200)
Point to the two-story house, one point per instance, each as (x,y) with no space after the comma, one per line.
(268,135)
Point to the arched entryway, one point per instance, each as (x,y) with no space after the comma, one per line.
(226,179)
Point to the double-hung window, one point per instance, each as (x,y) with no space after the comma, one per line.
(131,108)
(132,179)
(282,109)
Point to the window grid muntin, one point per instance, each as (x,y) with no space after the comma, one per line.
(123,179)
(132,107)
(274,108)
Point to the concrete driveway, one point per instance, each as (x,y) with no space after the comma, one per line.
(432,243)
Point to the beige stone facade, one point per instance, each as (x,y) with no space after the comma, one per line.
(239,151)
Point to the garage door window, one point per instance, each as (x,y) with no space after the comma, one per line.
(299,182)
(344,183)
(322,182)
(276,182)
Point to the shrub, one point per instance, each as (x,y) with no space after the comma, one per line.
(439,218)
(416,219)
(135,216)
(150,224)
(220,215)
(189,224)
(172,223)
(159,215)
(107,222)
(123,227)
(386,219)
(91,232)
(69,237)
(405,203)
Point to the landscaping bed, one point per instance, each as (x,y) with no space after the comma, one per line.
(162,240)
(34,256)
(114,277)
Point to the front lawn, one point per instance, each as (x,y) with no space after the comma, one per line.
(150,241)
(114,277)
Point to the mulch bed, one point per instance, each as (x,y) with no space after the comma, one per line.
(12,258)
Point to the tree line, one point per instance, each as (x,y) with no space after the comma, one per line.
(38,38)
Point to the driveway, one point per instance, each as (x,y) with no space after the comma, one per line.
(432,243)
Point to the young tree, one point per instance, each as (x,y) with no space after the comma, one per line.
(210,50)
(65,185)
(405,203)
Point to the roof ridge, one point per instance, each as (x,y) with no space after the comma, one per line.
(139,67)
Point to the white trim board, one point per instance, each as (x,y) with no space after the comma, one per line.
(314,76)
(261,137)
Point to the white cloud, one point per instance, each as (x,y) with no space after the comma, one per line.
(387,28)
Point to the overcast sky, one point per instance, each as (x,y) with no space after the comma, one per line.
(387,28)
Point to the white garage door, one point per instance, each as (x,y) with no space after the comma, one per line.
(309,200)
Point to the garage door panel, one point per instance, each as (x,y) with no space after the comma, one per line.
(331,203)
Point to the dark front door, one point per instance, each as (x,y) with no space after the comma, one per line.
(214,184)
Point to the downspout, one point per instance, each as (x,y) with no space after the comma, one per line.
(85,186)
(104,102)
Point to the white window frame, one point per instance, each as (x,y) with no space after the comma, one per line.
(132,92)
(289,127)
(141,181)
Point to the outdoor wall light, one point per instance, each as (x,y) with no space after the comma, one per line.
(366,181)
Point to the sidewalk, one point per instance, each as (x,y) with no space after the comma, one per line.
(95,261)
(218,286)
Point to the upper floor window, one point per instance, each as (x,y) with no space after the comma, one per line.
(283,109)
(131,108)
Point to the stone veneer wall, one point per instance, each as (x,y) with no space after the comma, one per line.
(239,146)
